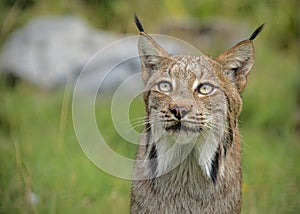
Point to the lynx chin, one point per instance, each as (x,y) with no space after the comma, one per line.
(189,158)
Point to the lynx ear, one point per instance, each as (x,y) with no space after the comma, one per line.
(238,60)
(151,54)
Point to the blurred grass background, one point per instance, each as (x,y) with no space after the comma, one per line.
(43,169)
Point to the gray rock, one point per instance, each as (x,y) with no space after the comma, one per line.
(48,49)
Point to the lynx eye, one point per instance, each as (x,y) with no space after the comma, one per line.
(205,89)
(164,86)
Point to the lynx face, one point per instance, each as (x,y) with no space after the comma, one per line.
(187,103)
(187,99)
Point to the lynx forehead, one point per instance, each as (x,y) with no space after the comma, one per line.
(184,67)
(195,64)
(190,158)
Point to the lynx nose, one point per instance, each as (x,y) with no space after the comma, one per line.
(179,111)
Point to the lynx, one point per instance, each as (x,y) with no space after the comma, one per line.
(189,158)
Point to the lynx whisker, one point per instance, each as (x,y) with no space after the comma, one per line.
(215,128)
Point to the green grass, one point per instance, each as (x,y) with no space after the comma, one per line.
(271,176)
(34,159)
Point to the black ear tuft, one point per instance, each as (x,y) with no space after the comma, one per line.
(256,32)
(138,24)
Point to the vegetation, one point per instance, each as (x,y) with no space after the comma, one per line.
(43,169)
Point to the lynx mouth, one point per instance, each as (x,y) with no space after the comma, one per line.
(177,127)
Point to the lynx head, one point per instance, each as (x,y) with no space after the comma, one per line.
(194,95)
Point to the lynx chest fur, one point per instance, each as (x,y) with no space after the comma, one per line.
(189,158)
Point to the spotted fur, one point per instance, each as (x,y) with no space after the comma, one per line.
(189,160)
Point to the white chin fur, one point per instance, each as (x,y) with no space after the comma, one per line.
(170,154)
(206,152)
(172,150)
